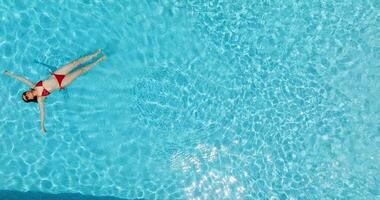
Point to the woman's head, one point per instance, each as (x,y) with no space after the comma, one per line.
(29,96)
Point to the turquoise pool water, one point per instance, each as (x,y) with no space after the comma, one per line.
(197,100)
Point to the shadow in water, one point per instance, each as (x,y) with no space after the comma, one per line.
(15,195)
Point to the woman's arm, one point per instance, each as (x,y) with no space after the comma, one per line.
(42,113)
(22,79)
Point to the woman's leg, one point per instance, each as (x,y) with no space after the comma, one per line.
(67,68)
(69,78)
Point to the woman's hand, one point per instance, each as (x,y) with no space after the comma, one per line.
(43,130)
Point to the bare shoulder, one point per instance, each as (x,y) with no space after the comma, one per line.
(40,99)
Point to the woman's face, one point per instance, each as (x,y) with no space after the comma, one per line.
(28,95)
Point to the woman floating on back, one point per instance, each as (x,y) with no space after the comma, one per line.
(59,79)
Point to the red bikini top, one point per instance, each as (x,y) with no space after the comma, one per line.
(45,92)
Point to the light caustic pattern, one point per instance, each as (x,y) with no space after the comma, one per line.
(201,99)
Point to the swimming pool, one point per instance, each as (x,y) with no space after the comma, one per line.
(197,100)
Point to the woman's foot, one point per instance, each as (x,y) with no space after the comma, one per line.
(102,58)
(90,66)
(97,52)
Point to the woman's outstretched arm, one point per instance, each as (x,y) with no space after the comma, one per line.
(42,113)
(22,79)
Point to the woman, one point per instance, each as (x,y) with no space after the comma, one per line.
(61,78)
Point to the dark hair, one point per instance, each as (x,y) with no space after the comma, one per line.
(28,100)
